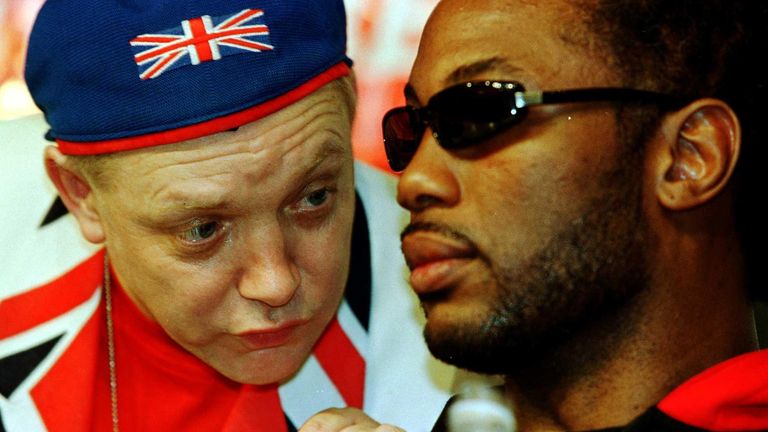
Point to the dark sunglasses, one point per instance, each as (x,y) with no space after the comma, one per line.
(466,114)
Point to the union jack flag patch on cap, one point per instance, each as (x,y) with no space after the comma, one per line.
(201,40)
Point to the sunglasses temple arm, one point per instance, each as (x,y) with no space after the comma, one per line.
(523,99)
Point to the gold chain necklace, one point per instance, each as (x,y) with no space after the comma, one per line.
(110,344)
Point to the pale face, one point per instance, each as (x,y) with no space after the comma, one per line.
(238,244)
(517,243)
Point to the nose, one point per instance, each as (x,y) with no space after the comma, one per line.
(270,275)
(429,179)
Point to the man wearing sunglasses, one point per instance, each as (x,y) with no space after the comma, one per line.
(579,179)
(575,177)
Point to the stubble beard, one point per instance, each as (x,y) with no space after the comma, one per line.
(586,276)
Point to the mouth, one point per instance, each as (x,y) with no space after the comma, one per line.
(436,261)
(270,337)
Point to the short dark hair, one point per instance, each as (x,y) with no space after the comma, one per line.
(700,48)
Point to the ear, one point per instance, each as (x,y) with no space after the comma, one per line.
(701,144)
(76,193)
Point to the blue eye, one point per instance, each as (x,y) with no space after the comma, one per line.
(200,233)
(318,197)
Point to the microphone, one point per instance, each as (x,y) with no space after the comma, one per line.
(480,409)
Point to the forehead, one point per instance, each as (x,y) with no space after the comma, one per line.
(313,127)
(543,44)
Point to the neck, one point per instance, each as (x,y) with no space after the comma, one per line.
(692,315)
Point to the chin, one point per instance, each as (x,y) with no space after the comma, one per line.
(475,339)
(261,368)
(260,375)
(458,342)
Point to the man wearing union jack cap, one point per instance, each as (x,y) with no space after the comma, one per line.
(203,151)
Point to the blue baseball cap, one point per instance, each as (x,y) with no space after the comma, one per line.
(115,75)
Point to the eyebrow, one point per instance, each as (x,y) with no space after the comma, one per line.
(169,215)
(472,70)
(330,148)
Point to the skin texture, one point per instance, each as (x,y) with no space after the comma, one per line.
(555,254)
(239,232)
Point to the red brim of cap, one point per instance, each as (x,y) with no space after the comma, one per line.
(210,127)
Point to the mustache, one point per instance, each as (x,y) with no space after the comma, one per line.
(436,228)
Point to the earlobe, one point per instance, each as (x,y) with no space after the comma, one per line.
(76,193)
(703,141)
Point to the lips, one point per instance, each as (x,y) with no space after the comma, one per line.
(269,338)
(436,261)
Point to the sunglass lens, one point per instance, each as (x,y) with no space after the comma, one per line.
(402,133)
(464,116)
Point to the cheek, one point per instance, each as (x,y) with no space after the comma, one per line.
(174,293)
(323,257)
(516,188)
(534,185)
